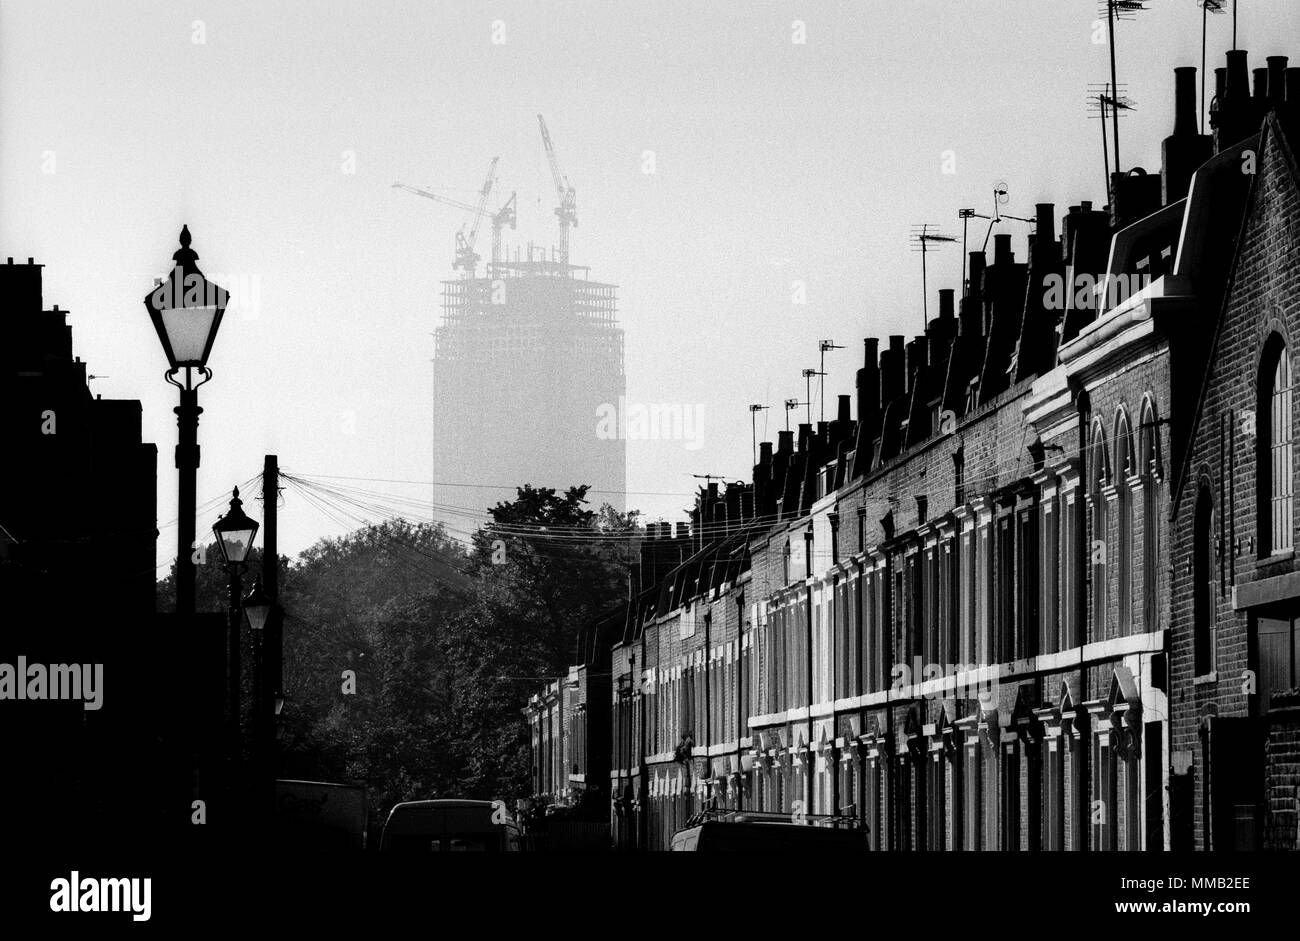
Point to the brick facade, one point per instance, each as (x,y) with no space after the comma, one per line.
(965,618)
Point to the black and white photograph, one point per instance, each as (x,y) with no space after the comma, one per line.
(604,431)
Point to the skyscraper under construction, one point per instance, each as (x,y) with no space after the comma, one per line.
(525,359)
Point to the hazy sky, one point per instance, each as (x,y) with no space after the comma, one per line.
(774,162)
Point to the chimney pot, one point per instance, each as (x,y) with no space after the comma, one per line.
(1002,249)
(1276,80)
(1044,219)
(1237,84)
(765,452)
(1184,101)
(785,442)
(946,303)
(1260,90)
(845,409)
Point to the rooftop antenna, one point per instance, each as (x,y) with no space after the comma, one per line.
(823,346)
(708,478)
(1000,198)
(807,379)
(753,426)
(1102,101)
(1118,10)
(921,239)
(965,215)
(1208,7)
(789,405)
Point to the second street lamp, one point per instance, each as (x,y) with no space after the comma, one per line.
(235,532)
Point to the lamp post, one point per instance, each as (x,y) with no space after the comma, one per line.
(186,310)
(258,608)
(234,532)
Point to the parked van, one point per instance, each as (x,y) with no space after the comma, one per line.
(450,826)
(313,816)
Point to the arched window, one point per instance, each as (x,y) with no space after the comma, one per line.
(1098,551)
(1202,583)
(1125,467)
(1149,469)
(1275,454)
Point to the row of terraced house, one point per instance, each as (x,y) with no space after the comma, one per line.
(1036,588)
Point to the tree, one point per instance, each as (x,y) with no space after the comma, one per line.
(408,660)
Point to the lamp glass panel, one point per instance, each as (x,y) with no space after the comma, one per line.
(187,331)
(257,615)
(235,544)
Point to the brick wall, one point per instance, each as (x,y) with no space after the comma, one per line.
(1263,297)
(1282,786)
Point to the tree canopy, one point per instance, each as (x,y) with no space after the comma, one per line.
(445,642)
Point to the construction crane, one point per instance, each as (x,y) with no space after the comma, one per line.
(567,211)
(466,258)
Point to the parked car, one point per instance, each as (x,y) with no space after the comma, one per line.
(725,836)
(450,826)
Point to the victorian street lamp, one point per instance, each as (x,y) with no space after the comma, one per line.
(234,532)
(186,310)
(258,608)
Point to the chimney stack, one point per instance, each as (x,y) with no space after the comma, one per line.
(1233,113)
(916,361)
(868,380)
(972,305)
(683,531)
(733,507)
(892,366)
(1045,251)
(805,437)
(1184,150)
(1002,249)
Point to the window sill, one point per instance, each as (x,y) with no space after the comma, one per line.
(1205,680)
(1275,558)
